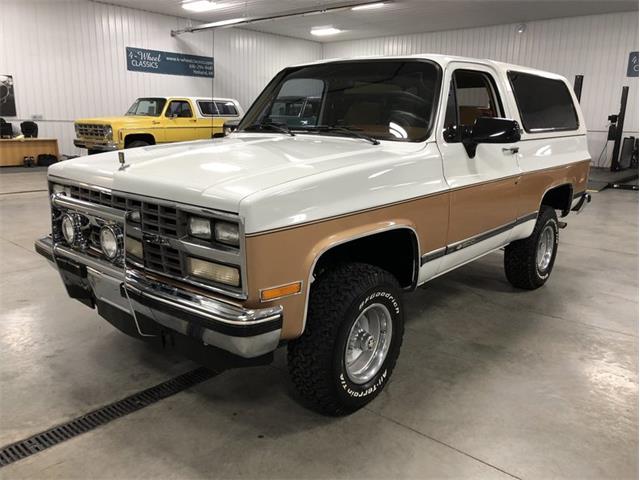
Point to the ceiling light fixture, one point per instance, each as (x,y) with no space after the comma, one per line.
(224,23)
(199,6)
(369,6)
(324,31)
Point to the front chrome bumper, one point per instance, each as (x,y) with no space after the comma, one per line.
(244,332)
(95,145)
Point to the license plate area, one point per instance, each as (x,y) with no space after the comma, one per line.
(75,281)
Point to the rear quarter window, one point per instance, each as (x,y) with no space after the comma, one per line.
(545,104)
(207,108)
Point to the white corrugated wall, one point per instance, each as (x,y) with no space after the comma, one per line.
(67,58)
(596,46)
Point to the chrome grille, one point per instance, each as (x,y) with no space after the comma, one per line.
(158,220)
(163,259)
(91,130)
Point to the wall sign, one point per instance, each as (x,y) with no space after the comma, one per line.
(169,63)
(7,97)
(632,66)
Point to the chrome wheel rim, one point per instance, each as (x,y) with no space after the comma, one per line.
(546,243)
(368,343)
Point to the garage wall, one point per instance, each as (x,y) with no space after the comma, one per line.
(596,46)
(67,58)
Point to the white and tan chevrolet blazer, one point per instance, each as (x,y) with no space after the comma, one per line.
(346,184)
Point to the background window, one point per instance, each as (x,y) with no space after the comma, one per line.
(207,108)
(179,108)
(544,103)
(226,108)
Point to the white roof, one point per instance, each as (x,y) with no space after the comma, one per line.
(217,99)
(444,60)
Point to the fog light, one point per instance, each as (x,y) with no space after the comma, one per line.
(69,228)
(213,271)
(134,247)
(111,241)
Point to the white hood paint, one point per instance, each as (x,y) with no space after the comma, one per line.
(262,168)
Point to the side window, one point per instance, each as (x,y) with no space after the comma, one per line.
(180,109)
(544,103)
(207,108)
(226,108)
(472,95)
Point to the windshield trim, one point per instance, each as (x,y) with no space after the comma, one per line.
(275,82)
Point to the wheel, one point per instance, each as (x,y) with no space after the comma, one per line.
(352,339)
(137,143)
(529,262)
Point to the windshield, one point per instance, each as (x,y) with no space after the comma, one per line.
(151,107)
(386,100)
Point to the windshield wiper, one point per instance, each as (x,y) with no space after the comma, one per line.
(278,127)
(341,129)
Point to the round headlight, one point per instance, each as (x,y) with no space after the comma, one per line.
(69,229)
(111,241)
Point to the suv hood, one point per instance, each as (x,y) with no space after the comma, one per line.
(219,173)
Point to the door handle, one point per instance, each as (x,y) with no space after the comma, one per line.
(155,122)
(510,150)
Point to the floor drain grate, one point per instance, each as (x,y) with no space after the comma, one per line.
(89,421)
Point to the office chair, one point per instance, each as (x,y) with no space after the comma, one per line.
(29,129)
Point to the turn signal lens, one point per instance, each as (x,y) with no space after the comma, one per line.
(213,271)
(281,291)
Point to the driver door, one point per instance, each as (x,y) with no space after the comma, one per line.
(483,188)
(179,121)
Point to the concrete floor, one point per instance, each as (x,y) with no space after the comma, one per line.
(491,382)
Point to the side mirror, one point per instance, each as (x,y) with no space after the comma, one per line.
(490,130)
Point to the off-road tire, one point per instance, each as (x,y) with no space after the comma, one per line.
(137,143)
(520,263)
(316,359)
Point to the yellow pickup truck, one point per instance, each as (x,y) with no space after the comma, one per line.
(154,120)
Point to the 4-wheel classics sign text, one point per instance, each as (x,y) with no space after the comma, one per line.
(169,63)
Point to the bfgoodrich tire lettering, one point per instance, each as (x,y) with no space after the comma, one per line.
(317,360)
(524,266)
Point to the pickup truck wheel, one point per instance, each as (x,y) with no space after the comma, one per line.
(351,341)
(137,143)
(528,262)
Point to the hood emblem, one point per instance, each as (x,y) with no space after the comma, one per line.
(121,159)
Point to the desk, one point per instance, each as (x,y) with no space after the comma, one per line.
(13,151)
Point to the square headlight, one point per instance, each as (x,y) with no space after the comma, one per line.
(200,228)
(227,233)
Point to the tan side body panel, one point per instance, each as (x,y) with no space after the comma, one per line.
(288,255)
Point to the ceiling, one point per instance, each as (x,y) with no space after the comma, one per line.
(397,17)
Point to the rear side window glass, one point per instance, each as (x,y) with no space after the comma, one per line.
(207,108)
(226,108)
(545,104)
